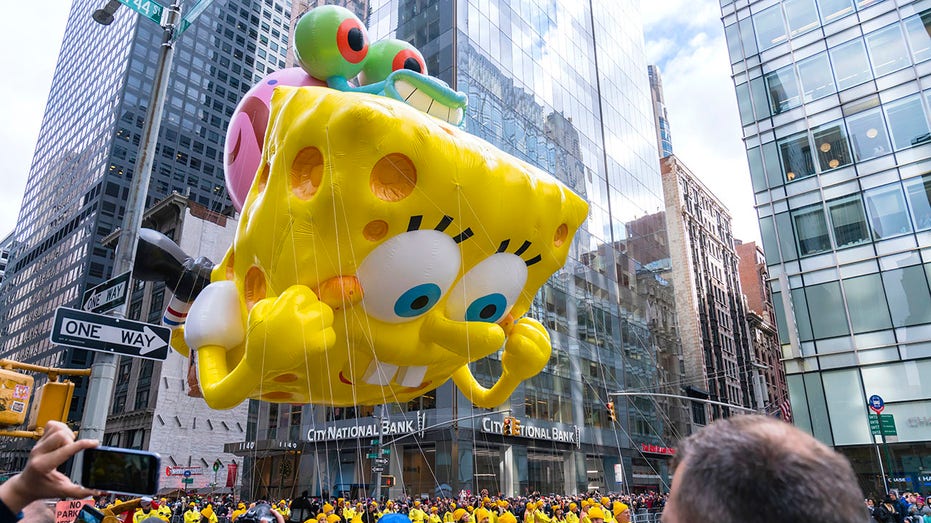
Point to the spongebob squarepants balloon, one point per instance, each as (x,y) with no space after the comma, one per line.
(381,249)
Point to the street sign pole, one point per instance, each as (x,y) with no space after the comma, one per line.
(876,404)
(100,387)
(376,474)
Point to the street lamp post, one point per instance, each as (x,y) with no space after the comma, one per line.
(100,387)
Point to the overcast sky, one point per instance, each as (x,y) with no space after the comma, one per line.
(684,37)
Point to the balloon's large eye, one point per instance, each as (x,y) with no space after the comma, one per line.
(407,275)
(352,40)
(386,56)
(330,41)
(489,290)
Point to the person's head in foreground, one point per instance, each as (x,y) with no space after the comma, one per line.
(760,469)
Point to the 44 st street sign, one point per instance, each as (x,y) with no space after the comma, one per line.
(147,8)
(86,330)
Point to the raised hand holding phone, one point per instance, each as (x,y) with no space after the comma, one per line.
(41,478)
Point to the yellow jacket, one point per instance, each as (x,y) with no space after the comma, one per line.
(140,515)
(540,517)
(236,513)
(417,515)
(192,516)
(572,517)
(448,516)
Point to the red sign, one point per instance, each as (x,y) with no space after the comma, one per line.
(231,471)
(66,511)
(656,449)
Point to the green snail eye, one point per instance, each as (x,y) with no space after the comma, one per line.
(330,41)
(387,56)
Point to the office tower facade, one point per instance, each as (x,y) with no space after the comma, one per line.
(761,324)
(660,115)
(833,102)
(6,245)
(562,86)
(719,363)
(86,152)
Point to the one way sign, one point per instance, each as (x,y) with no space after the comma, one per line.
(97,332)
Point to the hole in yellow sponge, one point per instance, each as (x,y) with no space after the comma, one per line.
(393,178)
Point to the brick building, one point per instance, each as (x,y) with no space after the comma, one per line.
(719,362)
(761,321)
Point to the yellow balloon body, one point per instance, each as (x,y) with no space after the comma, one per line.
(379,252)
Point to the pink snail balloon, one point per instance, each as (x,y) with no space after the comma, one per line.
(246,132)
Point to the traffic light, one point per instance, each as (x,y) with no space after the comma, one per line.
(515,427)
(52,402)
(15,389)
(506,427)
(611,415)
(387,481)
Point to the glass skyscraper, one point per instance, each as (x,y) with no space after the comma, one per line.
(84,158)
(834,99)
(562,85)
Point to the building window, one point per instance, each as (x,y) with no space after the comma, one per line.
(125,367)
(919,201)
(851,66)
(273,415)
(848,221)
(747,36)
(119,404)
(732,35)
(295,415)
(907,122)
(908,296)
(833,9)
(815,74)
(830,320)
(795,153)
(811,230)
(782,86)
(801,15)
(142,399)
(887,50)
(867,313)
(136,438)
(917,30)
(770,27)
(887,211)
(145,370)
(743,104)
(832,146)
(867,132)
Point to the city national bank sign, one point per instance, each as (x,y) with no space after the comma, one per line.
(372,428)
(551,433)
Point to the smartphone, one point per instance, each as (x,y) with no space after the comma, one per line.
(121,471)
(88,514)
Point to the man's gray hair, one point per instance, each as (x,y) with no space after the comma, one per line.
(760,469)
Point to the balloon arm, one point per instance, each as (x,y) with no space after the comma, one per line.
(481,396)
(214,327)
(158,258)
(526,352)
(221,388)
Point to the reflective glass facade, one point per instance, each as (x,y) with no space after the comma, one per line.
(564,86)
(834,100)
(84,158)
